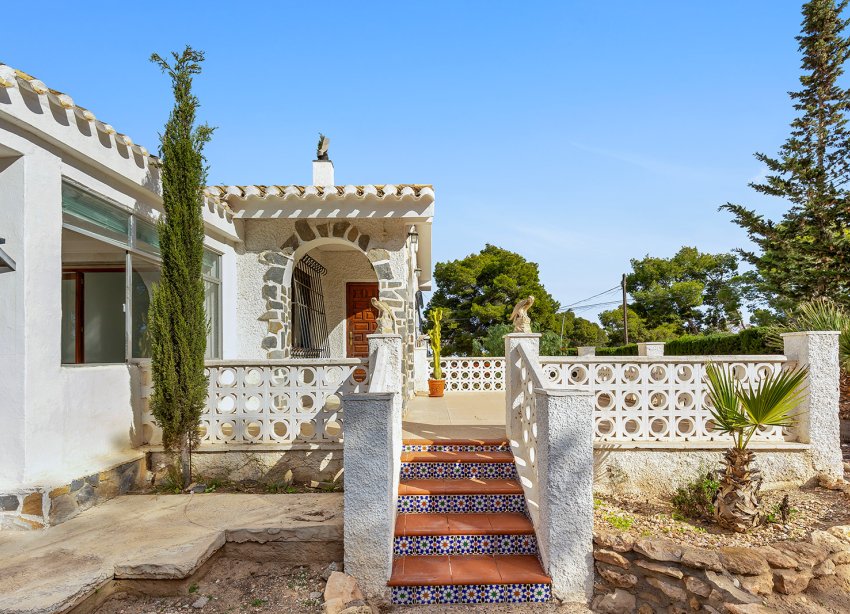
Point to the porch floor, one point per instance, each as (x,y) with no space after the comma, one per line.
(457,415)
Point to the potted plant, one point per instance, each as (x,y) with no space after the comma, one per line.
(740,412)
(436,385)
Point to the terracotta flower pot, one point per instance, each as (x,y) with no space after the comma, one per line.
(436,387)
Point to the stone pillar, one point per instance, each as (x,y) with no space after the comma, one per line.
(587,350)
(372,461)
(421,365)
(565,482)
(818,423)
(651,348)
(513,401)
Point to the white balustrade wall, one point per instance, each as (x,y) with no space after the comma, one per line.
(271,402)
(646,398)
(473,374)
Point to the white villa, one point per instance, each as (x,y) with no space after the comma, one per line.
(295,358)
(289,271)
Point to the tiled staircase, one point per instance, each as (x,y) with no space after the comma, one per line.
(462,534)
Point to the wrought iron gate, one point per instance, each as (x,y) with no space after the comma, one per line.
(309,323)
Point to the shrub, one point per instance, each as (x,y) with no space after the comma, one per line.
(694,500)
(619,350)
(748,341)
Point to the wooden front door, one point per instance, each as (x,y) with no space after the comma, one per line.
(361,318)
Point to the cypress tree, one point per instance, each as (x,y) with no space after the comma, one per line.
(807,253)
(177,318)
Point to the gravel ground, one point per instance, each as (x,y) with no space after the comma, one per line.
(816,508)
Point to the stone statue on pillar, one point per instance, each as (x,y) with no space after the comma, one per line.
(522,323)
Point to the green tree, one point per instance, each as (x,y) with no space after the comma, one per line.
(806,254)
(612,323)
(178,323)
(578,331)
(481,291)
(693,290)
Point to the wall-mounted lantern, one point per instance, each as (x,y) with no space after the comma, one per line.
(7,265)
(413,235)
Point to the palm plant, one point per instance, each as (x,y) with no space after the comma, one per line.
(740,413)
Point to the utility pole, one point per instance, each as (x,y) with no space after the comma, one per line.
(625,312)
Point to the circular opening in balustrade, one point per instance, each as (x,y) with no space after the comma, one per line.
(578,375)
(604,374)
(738,371)
(280,376)
(253,377)
(764,371)
(604,400)
(359,374)
(684,374)
(631,400)
(202,430)
(226,377)
(658,427)
(709,426)
(333,428)
(226,404)
(253,403)
(333,375)
(226,430)
(605,427)
(631,373)
(684,400)
(280,429)
(253,430)
(306,402)
(685,427)
(307,430)
(632,427)
(658,400)
(280,402)
(306,376)
(332,402)
(657,374)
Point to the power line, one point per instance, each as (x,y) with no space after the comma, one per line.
(617,287)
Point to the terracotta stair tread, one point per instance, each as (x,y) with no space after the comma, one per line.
(501,456)
(455,442)
(509,523)
(470,486)
(467,569)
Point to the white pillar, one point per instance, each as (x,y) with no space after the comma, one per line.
(587,350)
(565,476)
(818,423)
(651,348)
(372,460)
(421,366)
(513,401)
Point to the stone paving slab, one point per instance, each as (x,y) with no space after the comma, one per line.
(150,537)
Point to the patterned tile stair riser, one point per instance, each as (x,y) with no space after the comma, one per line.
(451,488)
(471,593)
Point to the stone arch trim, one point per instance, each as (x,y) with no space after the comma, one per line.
(277,279)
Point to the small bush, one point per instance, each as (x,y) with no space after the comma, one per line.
(624,523)
(619,350)
(748,341)
(694,500)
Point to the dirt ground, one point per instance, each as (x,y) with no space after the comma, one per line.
(811,509)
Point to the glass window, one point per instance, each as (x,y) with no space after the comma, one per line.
(212,301)
(85,212)
(103,316)
(69,318)
(147,237)
(145,276)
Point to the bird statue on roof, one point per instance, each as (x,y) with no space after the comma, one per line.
(519,316)
(322,147)
(386,321)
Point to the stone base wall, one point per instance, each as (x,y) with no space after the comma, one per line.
(40,507)
(645,470)
(268,466)
(648,575)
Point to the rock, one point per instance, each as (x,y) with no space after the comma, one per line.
(827,568)
(791,582)
(743,561)
(776,558)
(617,579)
(807,555)
(701,559)
(747,608)
(315,596)
(614,541)
(697,586)
(196,488)
(828,541)
(666,570)
(201,602)
(645,608)
(334,606)
(657,598)
(343,587)
(761,584)
(612,558)
(841,532)
(659,549)
(358,609)
(671,590)
(728,589)
(840,558)
(32,504)
(618,602)
(332,567)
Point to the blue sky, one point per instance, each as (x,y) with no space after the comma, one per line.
(580,134)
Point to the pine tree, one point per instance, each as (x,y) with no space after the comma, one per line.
(178,322)
(807,253)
